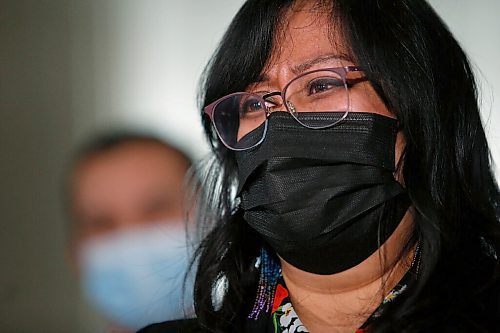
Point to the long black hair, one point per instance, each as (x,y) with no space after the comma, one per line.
(425,79)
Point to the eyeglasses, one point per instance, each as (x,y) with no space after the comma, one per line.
(240,119)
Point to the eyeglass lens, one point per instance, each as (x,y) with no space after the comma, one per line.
(238,118)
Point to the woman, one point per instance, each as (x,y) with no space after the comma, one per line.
(352,189)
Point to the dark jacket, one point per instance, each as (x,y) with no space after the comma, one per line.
(177,326)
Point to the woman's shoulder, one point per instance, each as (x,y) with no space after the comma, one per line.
(176,326)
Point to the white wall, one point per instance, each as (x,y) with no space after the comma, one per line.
(142,63)
(476,26)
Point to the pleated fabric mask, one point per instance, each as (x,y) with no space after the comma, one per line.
(323,199)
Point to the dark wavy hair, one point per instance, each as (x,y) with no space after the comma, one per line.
(425,79)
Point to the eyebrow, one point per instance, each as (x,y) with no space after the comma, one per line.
(319,60)
(300,68)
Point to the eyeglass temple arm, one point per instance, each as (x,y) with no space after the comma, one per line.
(209,109)
(353,68)
(354,81)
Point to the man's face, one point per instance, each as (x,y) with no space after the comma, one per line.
(129,186)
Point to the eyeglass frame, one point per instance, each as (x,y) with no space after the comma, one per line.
(342,71)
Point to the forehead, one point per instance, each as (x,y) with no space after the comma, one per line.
(307,32)
(137,154)
(127,168)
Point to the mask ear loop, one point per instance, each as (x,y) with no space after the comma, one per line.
(270,272)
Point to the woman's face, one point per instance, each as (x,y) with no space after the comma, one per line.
(306,44)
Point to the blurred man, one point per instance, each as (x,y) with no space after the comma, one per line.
(126,198)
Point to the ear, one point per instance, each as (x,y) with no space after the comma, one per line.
(400,152)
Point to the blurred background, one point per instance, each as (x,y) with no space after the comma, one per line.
(69,68)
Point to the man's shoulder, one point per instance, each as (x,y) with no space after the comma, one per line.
(176,326)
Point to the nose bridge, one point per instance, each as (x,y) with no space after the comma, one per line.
(279,75)
(278,107)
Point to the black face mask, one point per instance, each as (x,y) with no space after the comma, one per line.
(324,199)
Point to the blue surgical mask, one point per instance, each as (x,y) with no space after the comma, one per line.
(136,277)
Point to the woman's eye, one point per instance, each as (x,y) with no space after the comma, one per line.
(323,84)
(251,105)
